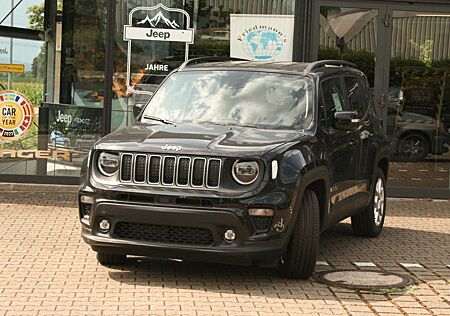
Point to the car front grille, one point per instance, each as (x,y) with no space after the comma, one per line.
(168,170)
(164,234)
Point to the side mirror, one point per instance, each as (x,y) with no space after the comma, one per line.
(346,121)
(137,108)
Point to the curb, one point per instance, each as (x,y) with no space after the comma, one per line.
(28,187)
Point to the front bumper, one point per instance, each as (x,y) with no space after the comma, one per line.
(248,248)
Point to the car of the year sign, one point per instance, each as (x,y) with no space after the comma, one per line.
(239,162)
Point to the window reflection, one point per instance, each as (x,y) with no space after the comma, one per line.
(419,107)
(234,97)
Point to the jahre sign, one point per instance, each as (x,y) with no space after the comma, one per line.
(155,67)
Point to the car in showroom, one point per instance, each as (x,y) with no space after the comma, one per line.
(414,135)
(239,162)
(58,139)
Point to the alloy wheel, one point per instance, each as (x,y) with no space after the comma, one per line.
(413,147)
(378,203)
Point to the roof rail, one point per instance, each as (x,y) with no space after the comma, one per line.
(208,59)
(323,63)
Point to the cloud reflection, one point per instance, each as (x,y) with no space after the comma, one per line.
(233,97)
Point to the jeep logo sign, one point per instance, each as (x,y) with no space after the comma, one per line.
(159,24)
(154,34)
(171,147)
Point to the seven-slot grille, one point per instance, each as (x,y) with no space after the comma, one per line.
(168,170)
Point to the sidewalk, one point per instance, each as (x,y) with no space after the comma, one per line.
(46,269)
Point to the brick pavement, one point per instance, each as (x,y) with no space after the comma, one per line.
(46,269)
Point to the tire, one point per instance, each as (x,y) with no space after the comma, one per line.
(369,223)
(300,258)
(413,147)
(108,259)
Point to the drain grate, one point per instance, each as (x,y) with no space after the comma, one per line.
(364,280)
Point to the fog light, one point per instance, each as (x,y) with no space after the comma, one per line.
(229,235)
(104,226)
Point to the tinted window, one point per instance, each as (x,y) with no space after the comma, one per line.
(332,99)
(355,94)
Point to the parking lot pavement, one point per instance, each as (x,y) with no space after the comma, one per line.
(46,269)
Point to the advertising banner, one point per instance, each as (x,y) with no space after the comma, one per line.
(74,121)
(259,37)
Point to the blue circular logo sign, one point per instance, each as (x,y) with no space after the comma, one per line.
(263,44)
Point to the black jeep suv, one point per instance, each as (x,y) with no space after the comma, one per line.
(239,162)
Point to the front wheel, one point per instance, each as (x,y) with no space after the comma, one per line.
(300,258)
(369,222)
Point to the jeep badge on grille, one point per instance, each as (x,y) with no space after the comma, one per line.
(171,147)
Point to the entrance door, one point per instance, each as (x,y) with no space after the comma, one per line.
(418,108)
(405,52)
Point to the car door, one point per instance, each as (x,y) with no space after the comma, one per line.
(357,94)
(343,148)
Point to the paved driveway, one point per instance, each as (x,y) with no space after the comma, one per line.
(46,269)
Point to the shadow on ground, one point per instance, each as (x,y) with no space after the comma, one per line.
(339,247)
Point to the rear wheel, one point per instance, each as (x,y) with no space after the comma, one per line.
(370,222)
(300,259)
(108,259)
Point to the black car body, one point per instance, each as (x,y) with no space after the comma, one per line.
(175,189)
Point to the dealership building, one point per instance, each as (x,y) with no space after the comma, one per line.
(72,71)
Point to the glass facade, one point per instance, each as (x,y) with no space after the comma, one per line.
(23,14)
(416,103)
(419,99)
(64,77)
(27,77)
(211,23)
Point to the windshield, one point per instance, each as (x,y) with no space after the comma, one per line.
(240,98)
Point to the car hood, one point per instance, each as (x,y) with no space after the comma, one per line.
(197,139)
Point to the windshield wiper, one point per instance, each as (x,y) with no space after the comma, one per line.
(154,118)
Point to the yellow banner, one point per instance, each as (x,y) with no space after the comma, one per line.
(15,68)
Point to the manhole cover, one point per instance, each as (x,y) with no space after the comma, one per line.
(364,280)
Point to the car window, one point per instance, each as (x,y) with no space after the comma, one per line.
(355,92)
(332,100)
(241,98)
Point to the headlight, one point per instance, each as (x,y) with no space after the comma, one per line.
(108,163)
(245,172)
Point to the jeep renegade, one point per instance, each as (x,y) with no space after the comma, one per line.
(239,162)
